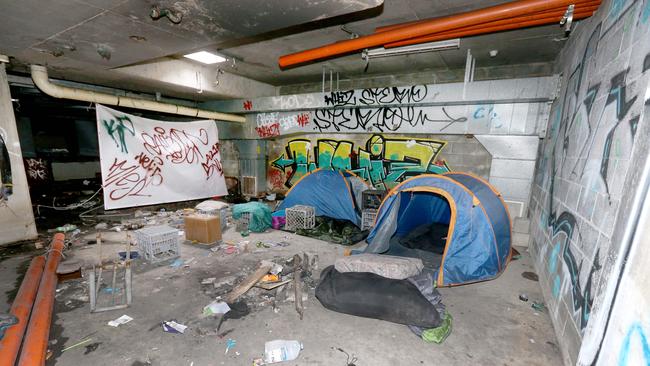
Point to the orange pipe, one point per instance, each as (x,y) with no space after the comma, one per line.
(578,5)
(499,12)
(38,331)
(481,30)
(550,16)
(21,308)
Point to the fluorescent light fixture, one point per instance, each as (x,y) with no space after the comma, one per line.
(205,57)
(451,44)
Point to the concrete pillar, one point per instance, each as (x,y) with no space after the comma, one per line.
(16,215)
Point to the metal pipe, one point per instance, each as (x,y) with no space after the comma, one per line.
(475,32)
(42,81)
(38,330)
(21,309)
(578,4)
(475,17)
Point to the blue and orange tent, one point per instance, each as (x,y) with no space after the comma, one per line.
(477,244)
(332,193)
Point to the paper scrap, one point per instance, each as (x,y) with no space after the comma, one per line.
(119,321)
(216,307)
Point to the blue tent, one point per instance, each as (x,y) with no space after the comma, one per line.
(332,193)
(474,242)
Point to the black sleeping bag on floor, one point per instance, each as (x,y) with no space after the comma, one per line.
(373,296)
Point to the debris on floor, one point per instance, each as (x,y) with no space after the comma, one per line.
(171,326)
(119,321)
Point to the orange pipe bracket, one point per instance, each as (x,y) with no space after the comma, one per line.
(21,309)
(38,331)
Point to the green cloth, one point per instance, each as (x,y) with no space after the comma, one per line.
(439,334)
(260,219)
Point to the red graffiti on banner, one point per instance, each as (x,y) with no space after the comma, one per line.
(212,163)
(127,180)
(270,130)
(248,105)
(177,146)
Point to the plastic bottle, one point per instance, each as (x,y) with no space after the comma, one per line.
(281,350)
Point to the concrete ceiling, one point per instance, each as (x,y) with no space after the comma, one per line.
(98,41)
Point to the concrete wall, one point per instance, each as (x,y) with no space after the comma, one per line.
(382,160)
(583,183)
(16,216)
(504,116)
(433,76)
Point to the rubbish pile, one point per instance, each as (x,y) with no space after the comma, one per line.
(394,289)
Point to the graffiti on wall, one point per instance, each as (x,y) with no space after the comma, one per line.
(6,183)
(592,133)
(635,336)
(37,170)
(383,162)
(380,110)
(272,124)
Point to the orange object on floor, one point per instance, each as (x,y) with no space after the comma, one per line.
(21,309)
(38,330)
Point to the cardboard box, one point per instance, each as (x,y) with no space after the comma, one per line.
(205,229)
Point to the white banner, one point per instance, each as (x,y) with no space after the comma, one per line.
(146,162)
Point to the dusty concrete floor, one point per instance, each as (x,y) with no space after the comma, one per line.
(491,325)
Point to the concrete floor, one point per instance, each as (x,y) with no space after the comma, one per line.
(491,325)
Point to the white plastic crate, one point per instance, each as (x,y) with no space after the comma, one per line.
(243,221)
(368,217)
(300,217)
(158,243)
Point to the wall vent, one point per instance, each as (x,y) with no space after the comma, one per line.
(249,185)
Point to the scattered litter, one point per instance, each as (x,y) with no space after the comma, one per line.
(281,350)
(271,244)
(208,281)
(66,228)
(539,306)
(532,341)
(523,297)
(77,344)
(38,245)
(188,262)
(6,321)
(530,276)
(133,255)
(270,278)
(172,326)
(351,359)
(216,308)
(119,321)
(230,343)
(176,263)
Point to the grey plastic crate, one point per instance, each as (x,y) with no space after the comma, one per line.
(368,217)
(242,222)
(158,243)
(300,217)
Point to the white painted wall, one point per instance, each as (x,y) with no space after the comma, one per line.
(16,215)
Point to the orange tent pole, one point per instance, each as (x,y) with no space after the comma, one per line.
(21,308)
(38,331)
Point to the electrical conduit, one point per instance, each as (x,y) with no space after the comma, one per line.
(486,15)
(38,330)
(21,309)
(41,80)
